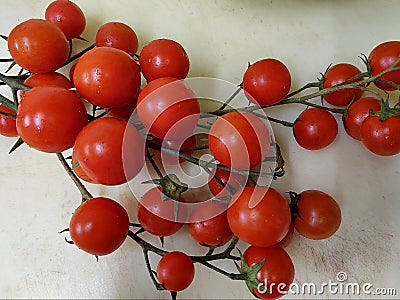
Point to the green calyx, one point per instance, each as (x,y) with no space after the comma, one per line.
(386,111)
(250,273)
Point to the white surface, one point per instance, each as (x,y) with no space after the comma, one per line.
(38,198)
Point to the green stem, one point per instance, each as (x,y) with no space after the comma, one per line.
(12,82)
(82,189)
(231,97)
(200,162)
(8,103)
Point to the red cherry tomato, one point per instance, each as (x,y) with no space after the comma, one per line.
(338,74)
(235,180)
(209,224)
(159,215)
(164,58)
(175,271)
(168,109)
(38,46)
(107,84)
(266,82)
(315,129)
(319,215)
(50,78)
(99,226)
(259,216)
(382,57)
(110,151)
(381,137)
(239,140)
(67,16)
(49,118)
(117,35)
(276,274)
(169,159)
(357,113)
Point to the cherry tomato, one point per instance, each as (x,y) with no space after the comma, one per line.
(319,215)
(259,216)
(381,137)
(117,35)
(50,78)
(7,124)
(382,57)
(67,16)
(338,74)
(315,129)
(276,274)
(266,82)
(99,226)
(239,140)
(49,118)
(110,151)
(38,46)
(168,109)
(175,271)
(235,180)
(164,58)
(157,213)
(169,159)
(209,224)
(107,77)
(288,237)
(357,113)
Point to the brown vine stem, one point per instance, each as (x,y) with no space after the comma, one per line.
(200,162)
(82,189)
(203,260)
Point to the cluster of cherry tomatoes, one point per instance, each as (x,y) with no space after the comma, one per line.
(51,115)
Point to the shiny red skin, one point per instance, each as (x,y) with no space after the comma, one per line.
(381,137)
(315,129)
(8,126)
(38,46)
(157,216)
(164,58)
(110,151)
(117,35)
(277,269)
(99,226)
(382,57)
(259,216)
(357,113)
(67,16)
(107,77)
(239,140)
(266,82)
(50,118)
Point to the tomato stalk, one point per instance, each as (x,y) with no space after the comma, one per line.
(82,189)
(386,111)
(304,100)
